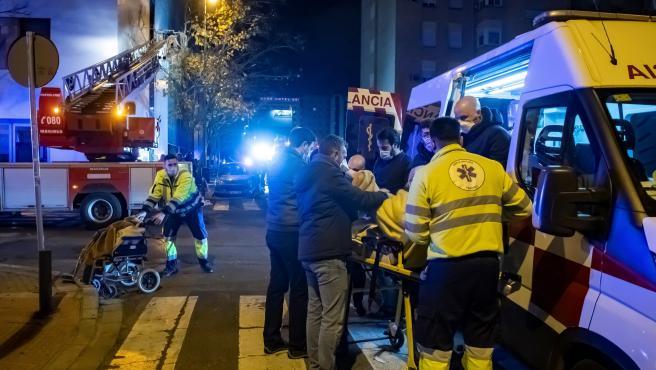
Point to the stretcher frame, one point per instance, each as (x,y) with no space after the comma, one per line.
(377,241)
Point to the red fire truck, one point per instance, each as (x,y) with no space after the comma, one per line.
(89,115)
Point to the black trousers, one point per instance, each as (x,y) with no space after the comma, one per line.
(286,274)
(459,294)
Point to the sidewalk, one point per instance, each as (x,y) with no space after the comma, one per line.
(64,339)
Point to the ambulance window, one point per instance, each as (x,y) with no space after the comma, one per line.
(543,141)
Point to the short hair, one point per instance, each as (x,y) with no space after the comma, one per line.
(170,156)
(390,135)
(330,144)
(300,135)
(445,129)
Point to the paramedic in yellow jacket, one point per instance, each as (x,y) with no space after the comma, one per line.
(183,204)
(456,205)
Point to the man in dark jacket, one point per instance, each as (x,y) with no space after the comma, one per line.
(482,137)
(426,148)
(282,240)
(327,204)
(392,166)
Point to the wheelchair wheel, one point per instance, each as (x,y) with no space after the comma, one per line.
(107,291)
(96,284)
(148,281)
(128,268)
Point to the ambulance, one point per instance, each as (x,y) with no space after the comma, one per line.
(578,94)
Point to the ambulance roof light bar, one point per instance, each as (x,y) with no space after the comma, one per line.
(566,15)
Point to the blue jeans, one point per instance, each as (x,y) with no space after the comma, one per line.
(327,298)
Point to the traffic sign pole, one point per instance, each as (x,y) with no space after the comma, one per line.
(45,260)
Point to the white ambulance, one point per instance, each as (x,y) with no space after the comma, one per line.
(579,95)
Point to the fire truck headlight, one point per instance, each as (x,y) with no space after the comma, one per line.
(55,110)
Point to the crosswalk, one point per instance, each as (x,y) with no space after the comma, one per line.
(156,339)
(226,205)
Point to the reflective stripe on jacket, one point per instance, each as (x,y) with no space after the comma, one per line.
(458,201)
(179,196)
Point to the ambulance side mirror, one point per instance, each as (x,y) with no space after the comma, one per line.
(561,208)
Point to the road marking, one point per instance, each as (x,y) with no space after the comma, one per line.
(251,346)
(251,206)
(221,205)
(371,350)
(156,338)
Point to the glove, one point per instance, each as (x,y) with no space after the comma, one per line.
(141,216)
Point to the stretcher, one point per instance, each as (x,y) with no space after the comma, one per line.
(378,253)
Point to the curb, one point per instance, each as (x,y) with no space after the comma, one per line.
(87,327)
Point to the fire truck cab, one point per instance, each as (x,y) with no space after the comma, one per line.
(579,95)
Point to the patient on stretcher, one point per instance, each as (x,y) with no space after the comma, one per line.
(390,221)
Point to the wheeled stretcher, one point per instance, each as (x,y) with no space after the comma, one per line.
(378,253)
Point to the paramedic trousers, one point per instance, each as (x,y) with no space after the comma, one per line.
(458,294)
(286,274)
(196,224)
(327,298)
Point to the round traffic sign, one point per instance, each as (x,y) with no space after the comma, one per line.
(46,60)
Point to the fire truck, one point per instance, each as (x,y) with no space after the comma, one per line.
(91,114)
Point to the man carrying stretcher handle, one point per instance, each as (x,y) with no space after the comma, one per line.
(456,205)
(183,205)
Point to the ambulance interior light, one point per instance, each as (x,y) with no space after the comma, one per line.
(496,86)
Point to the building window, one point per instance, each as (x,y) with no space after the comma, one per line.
(429,34)
(455,35)
(490,3)
(429,3)
(488,33)
(428,69)
(455,4)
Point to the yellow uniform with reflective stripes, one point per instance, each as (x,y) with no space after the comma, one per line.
(458,201)
(179,194)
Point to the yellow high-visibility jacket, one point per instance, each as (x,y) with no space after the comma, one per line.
(180,195)
(458,201)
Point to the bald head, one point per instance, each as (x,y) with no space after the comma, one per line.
(357,162)
(468,108)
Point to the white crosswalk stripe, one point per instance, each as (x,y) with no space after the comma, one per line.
(160,330)
(251,346)
(221,205)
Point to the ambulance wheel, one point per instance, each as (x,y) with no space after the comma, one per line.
(100,209)
(148,281)
(588,364)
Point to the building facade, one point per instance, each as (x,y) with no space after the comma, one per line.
(407,42)
(85,33)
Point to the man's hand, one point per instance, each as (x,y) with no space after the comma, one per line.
(158,218)
(141,216)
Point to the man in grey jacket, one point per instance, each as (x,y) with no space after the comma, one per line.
(282,240)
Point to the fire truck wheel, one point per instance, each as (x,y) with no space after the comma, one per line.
(100,209)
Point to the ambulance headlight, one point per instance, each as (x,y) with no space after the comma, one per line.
(262,151)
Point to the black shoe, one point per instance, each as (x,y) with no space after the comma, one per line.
(170,269)
(295,354)
(206,265)
(360,310)
(275,348)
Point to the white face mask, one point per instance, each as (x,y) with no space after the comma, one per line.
(466,126)
(385,154)
(429,144)
(344,166)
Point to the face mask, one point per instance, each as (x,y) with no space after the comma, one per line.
(344,166)
(428,143)
(385,154)
(466,126)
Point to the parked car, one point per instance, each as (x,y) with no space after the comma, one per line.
(236,179)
